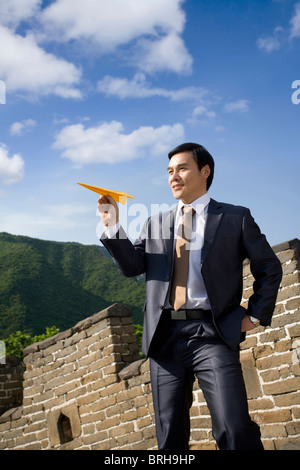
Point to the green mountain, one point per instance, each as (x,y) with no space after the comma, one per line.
(45,283)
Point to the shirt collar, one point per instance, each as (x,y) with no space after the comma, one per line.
(198,204)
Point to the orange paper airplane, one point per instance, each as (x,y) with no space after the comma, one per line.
(118,196)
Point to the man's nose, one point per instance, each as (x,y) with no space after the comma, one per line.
(174,176)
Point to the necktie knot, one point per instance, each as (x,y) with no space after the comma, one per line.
(188,210)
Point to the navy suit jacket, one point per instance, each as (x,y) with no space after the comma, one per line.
(231,235)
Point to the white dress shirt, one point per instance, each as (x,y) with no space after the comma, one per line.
(196,292)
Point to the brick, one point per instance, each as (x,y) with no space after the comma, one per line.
(290,267)
(279,308)
(288,255)
(94,438)
(130,438)
(247,293)
(276,416)
(293,428)
(261,404)
(250,375)
(250,342)
(288,293)
(282,346)
(108,423)
(203,446)
(282,386)
(296,413)
(270,375)
(129,415)
(272,336)
(121,430)
(290,279)
(271,430)
(283,320)
(270,362)
(111,389)
(295,369)
(90,398)
(294,331)
(93,418)
(287,399)
(292,304)
(262,351)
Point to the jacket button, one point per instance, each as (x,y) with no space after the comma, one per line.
(160,307)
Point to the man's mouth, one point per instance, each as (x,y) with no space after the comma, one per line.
(176,187)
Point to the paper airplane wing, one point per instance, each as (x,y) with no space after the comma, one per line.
(118,196)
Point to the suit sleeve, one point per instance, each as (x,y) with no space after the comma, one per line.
(266,270)
(128,257)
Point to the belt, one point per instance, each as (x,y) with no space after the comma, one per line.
(198,314)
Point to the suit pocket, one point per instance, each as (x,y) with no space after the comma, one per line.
(230,326)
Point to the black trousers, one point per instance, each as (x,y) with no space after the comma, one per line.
(185,349)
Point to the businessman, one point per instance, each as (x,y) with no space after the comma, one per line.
(193,321)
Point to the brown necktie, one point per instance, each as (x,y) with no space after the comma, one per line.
(181,259)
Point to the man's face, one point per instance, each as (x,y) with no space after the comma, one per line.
(185,179)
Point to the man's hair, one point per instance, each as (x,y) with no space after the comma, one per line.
(201,156)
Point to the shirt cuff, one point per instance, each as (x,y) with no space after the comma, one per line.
(254,320)
(112,230)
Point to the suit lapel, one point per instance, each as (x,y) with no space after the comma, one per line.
(214,216)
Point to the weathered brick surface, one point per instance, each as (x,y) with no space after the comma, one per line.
(87,388)
(10,384)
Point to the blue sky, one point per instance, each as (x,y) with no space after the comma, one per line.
(99,91)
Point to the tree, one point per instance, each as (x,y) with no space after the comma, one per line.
(16,342)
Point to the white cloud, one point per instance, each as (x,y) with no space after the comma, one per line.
(239,106)
(166,53)
(295,23)
(203,111)
(153,29)
(108,143)
(138,87)
(150,29)
(112,23)
(12,12)
(269,44)
(280,35)
(11,168)
(272,43)
(17,128)
(25,67)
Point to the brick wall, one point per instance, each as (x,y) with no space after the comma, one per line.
(10,383)
(87,388)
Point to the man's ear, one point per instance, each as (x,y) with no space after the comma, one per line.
(205,171)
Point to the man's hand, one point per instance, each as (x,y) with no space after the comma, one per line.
(108,210)
(247,324)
